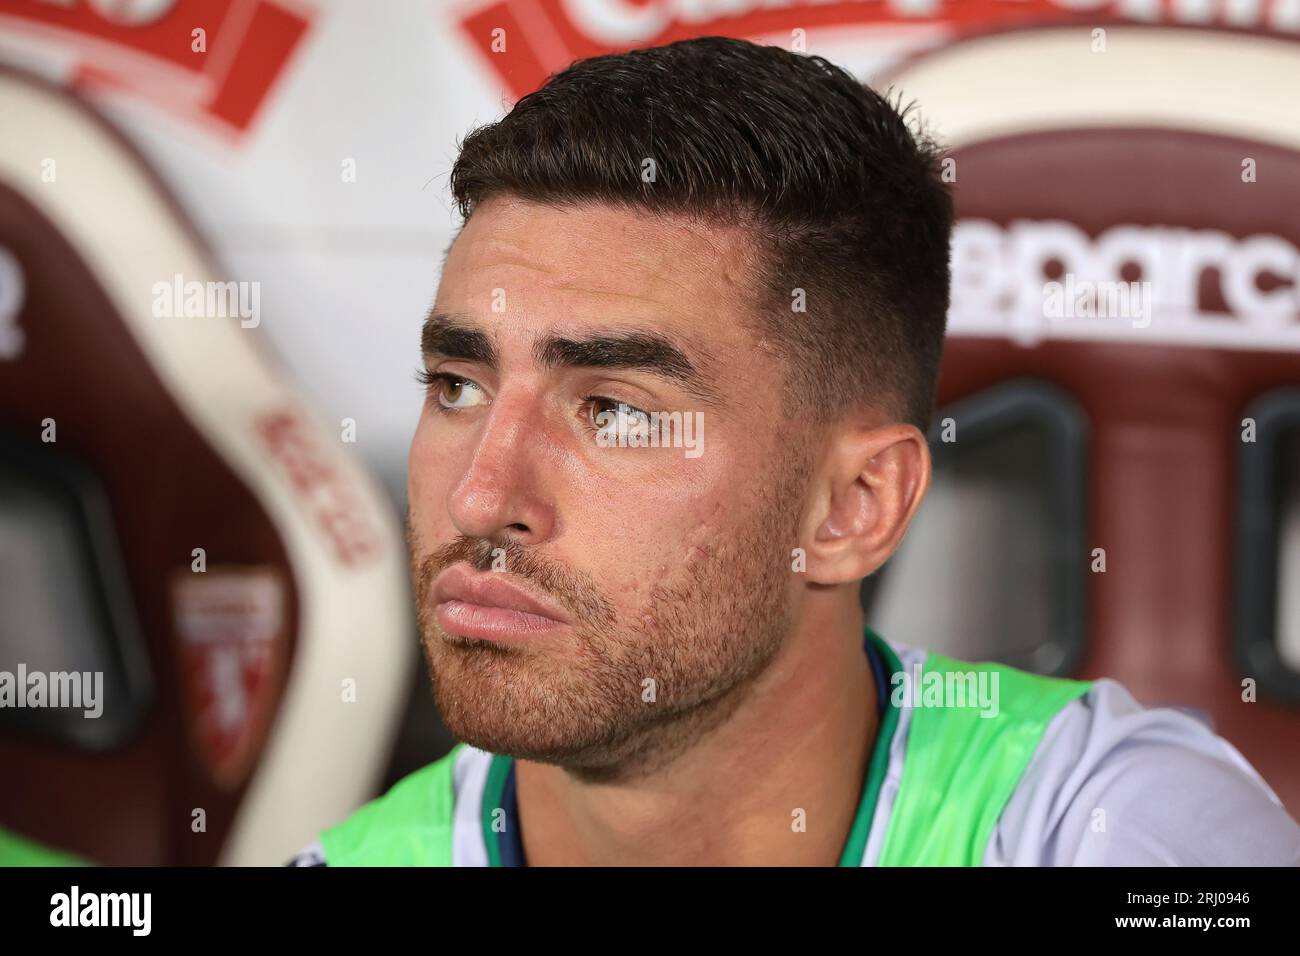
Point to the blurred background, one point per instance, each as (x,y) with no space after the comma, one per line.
(1117,487)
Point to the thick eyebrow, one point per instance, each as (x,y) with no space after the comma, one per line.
(453,337)
(638,351)
(448,336)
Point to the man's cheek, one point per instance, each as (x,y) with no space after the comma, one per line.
(428,478)
(417,464)
(641,573)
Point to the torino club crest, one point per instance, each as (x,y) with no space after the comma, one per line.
(231,627)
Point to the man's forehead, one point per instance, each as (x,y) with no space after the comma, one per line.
(597,258)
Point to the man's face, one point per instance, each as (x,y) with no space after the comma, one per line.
(662,573)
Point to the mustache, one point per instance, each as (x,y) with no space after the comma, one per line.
(575,591)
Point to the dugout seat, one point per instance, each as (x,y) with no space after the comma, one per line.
(175,519)
(1119,495)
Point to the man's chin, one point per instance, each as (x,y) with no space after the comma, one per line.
(517,705)
(506,701)
(580,752)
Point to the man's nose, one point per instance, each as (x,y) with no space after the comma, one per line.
(500,495)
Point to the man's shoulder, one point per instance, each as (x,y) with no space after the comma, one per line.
(1108,781)
(1116,783)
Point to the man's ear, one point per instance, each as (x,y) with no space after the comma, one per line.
(870,486)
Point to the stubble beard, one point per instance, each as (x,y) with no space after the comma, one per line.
(622,697)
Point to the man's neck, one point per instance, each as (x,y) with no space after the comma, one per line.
(777,783)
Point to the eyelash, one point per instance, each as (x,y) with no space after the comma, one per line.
(431,379)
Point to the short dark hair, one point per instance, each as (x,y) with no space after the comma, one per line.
(842,195)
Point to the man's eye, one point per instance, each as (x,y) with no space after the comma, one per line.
(616,417)
(453,392)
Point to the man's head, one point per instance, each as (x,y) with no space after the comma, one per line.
(745,240)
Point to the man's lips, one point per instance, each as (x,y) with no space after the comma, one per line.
(489,605)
